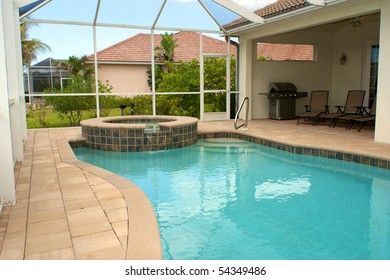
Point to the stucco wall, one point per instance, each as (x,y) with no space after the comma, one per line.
(307,76)
(350,76)
(324,73)
(125,78)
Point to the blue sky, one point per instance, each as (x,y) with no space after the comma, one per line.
(67,40)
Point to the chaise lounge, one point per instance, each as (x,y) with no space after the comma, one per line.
(318,106)
(364,119)
(353,106)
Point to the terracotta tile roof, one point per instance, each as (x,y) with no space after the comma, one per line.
(285,52)
(271,10)
(137,49)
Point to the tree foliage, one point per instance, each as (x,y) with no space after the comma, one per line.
(185,77)
(30,47)
(83,81)
(166,51)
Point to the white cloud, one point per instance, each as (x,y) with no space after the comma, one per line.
(252,5)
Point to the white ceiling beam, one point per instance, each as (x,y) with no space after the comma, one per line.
(235,8)
(316,2)
(159,14)
(21,3)
(211,15)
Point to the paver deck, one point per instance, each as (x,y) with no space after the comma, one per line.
(68,209)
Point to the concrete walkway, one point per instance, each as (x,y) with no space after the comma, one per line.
(67,209)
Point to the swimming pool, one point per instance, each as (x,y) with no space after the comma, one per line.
(230,199)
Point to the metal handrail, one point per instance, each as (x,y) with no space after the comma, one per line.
(245,124)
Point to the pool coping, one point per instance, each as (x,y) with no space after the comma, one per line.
(287,147)
(143,241)
(303,150)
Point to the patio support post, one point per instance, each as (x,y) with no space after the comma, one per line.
(7,186)
(95,60)
(382,128)
(14,77)
(201,76)
(245,72)
(96,73)
(228,80)
(153,72)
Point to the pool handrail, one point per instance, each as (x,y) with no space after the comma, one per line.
(245,124)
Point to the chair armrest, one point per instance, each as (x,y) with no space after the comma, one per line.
(326,109)
(361,110)
(339,110)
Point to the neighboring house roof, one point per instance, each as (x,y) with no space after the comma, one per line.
(274,9)
(48,62)
(137,49)
(280,52)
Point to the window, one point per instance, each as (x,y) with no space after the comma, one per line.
(373,73)
(285,52)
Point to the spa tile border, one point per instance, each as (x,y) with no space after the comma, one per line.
(362,159)
(117,134)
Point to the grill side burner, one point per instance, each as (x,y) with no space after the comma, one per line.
(282,98)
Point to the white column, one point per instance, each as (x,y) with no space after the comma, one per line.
(382,126)
(153,72)
(22,96)
(245,87)
(7,186)
(96,73)
(228,80)
(201,71)
(11,31)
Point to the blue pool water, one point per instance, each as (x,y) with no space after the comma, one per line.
(223,199)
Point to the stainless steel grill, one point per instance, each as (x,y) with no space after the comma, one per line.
(282,98)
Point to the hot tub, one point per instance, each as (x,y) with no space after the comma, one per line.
(139,133)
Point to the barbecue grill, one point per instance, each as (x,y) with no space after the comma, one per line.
(282,98)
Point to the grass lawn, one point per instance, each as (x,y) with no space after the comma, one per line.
(52,119)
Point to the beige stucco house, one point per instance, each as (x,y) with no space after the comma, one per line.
(125,65)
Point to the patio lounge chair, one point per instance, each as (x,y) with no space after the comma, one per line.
(364,119)
(318,106)
(353,106)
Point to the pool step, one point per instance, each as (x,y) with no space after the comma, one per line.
(223,147)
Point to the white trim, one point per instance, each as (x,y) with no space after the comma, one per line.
(7,186)
(153,73)
(201,73)
(124,93)
(22,3)
(366,73)
(159,14)
(211,15)
(112,25)
(237,9)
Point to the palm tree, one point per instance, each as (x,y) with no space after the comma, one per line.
(167,49)
(77,66)
(31,47)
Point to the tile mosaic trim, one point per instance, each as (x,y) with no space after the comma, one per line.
(301,150)
(132,135)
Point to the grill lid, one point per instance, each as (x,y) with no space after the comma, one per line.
(282,87)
